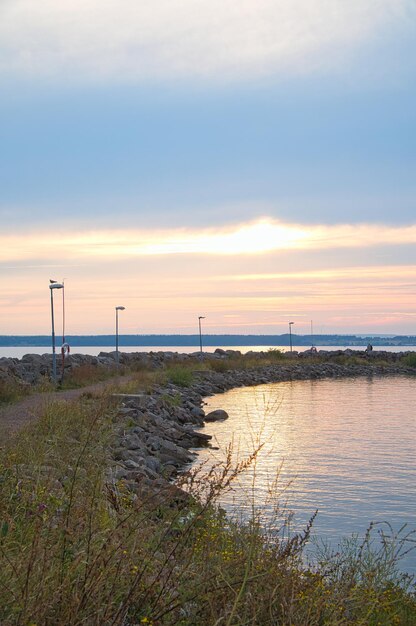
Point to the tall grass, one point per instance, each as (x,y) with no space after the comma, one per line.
(78,548)
(88,374)
(13,390)
(179,375)
(409,360)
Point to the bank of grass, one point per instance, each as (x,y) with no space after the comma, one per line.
(76,548)
(11,391)
(88,374)
(14,390)
(409,360)
(180,374)
(180,371)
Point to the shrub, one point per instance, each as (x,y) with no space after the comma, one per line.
(219,365)
(409,360)
(10,391)
(173,401)
(88,374)
(275,354)
(179,375)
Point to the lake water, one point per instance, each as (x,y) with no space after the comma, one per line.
(345,447)
(18,351)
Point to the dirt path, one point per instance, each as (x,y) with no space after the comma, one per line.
(16,415)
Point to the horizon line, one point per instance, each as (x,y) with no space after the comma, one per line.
(317,334)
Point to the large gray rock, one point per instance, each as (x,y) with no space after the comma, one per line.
(217,415)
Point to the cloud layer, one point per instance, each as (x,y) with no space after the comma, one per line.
(131,39)
(253,238)
(251,278)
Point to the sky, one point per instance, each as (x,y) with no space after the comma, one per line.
(251,161)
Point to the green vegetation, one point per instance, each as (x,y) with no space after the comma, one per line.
(219,365)
(77,378)
(172,400)
(179,375)
(16,390)
(87,374)
(11,392)
(409,360)
(77,549)
(180,372)
(275,354)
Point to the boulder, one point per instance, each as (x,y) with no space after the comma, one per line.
(217,415)
(220,351)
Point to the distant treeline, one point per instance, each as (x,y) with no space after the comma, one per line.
(209,340)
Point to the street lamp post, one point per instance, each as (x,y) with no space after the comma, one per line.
(54,285)
(118,308)
(201,317)
(290,334)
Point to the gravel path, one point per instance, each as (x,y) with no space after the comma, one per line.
(14,416)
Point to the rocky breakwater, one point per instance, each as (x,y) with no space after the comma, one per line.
(158,433)
(32,369)
(156,437)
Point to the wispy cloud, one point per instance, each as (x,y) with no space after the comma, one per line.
(345,274)
(171,38)
(253,238)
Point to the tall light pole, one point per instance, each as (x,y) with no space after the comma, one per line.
(201,317)
(54,285)
(290,334)
(118,308)
(65,346)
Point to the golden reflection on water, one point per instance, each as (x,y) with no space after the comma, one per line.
(344,447)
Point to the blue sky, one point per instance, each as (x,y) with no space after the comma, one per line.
(200,118)
(321,150)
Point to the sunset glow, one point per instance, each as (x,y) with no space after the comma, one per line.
(183,273)
(255,238)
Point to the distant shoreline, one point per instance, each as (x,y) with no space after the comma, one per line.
(210,340)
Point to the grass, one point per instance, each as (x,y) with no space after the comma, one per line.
(275,354)
(11,392)
(78,378)
(174,400)
(77,548)
(409,360)
(179,375)
(14,390)
(88,374)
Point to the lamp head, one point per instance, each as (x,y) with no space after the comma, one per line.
(120,308)
(290,323)
(56,286)
(201,317)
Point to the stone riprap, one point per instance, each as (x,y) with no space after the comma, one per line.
(31,369)
(156,435)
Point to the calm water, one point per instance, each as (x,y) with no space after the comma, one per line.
(344,447)
(18,352)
